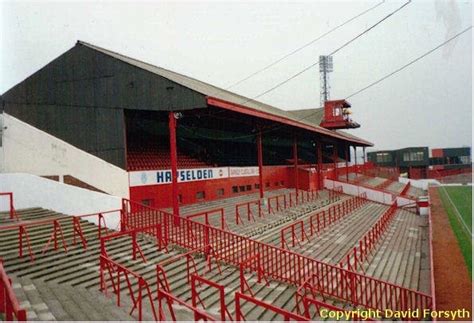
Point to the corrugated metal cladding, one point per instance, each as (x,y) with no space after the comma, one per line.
(80,96)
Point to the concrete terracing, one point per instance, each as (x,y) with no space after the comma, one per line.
(64,286)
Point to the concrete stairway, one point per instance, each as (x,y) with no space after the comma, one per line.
(395,187)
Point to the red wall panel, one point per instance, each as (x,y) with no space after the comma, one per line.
(274,177)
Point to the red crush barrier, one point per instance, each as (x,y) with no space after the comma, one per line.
(318,222)
(8,302)
(198,280)
(117,272)
(239,316)
(279,205)
(405,189)
(281,202)
(293,229)
(190,265)
(253,263)
(248,206)
(285,265)
(100,220)
(170,299)
(11,208)
(211,213)
(368,242)
(23,237)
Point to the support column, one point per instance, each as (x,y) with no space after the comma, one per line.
(334,160)
(346,151)
(295,159)
(174,165)
(355,161)
(260,162)
(320,164)
(363,152)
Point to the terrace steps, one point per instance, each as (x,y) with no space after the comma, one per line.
(77,271)
(398,256)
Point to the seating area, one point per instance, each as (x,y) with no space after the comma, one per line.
(154,158)
(61,285)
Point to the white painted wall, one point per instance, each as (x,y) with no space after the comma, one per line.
(34,191)
(372,194)
(27,149)
(420,183)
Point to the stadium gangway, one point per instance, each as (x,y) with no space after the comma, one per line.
(9,304)
(11,207)
(356,256)
(386,183)
(287,266)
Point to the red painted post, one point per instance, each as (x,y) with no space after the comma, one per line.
(347,162)
(11,206)
(295,157)
(334,159)
(174,166)
(260,162)
(320,164)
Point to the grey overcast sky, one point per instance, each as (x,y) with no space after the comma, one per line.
(429,103)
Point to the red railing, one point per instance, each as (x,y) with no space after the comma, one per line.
(239,316)
(170,299)
(56,236)
(198,280)
(361,290)
(101,224)
(405,189)
(355,257)
(116,273)
(8,302)
(297,234)
(164,287)
(191,265)
(318,222)
(280,203)
(248,206)
(254,264)
(285,265)
(11,207)
(211,213)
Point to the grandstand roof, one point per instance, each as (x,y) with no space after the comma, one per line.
(239,102)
